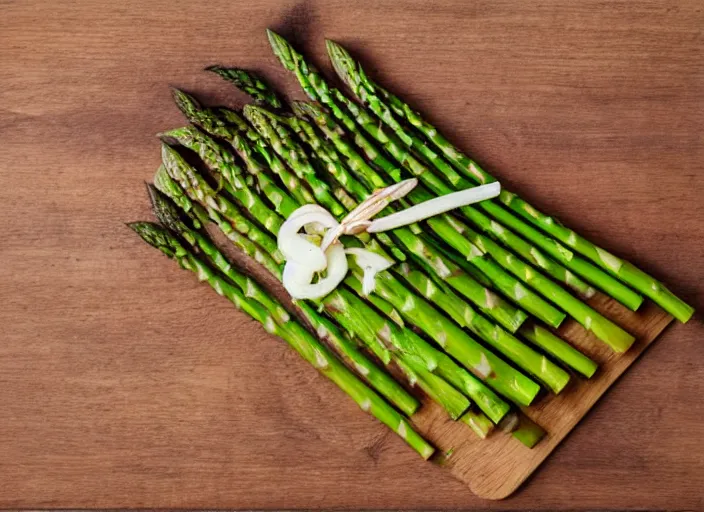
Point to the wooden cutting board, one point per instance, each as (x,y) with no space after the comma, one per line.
(124,383)
(495,467)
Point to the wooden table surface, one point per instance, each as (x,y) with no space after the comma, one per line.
(126,384)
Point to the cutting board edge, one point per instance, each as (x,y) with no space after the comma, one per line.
(506,492)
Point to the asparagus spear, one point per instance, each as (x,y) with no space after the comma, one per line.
(523,428)
(478,422)
(376,332)
(432,376)
(417,372)
(401,300)
(599,278)
(165,184)
(590,318)
(286,147)
(555,383)
(558,348)
(293,333)
(485,398)
(603,328)
(585,315)
(622,269)
(523,356)
(250,83)
(313,83)
(226,124)
(169,216)
(625,271)
(508,382)
(221,164)
(190,180)
(167,213)
(495,306)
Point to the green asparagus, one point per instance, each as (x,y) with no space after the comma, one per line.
(313,83)
(546,371)
(169,216)
(623,270)
(293,333)
(415,244)
(368,326)
(250,83)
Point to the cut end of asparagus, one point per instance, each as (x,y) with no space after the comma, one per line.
(528,432)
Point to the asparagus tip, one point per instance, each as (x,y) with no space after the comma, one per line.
(281,48)
(341,59)
(185,102)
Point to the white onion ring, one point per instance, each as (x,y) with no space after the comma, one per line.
(371,264)
(297,278)
(297,248)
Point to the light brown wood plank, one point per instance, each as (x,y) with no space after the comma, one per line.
(494,468)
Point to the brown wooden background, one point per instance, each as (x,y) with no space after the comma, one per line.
(125,383)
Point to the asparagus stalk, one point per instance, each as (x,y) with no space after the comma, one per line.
(623,270)
(165,184)
(226,124)
(456,342)
(558,348)
(192,181)
(313,83)
(293,333)
(603,328)
(516,266)
(297,161)
(250,83)
(552,375)
(397,298)
(416,245)
(433,386)
(566,257)
(432,376)
(589,318)
(376,332)
(169,216)
(221,164)
(606,330)
(523,428)
(485,397)
(478,422)
(495,306)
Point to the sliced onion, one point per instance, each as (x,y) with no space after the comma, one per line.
(435,206)
(380,199)
(297,277)
(297,248)
(358,219)
(371,264)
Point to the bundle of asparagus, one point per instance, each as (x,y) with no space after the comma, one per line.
(460,313)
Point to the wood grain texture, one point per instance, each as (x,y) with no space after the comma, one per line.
(125,383)
(496,467)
